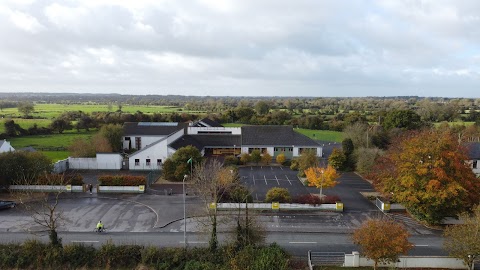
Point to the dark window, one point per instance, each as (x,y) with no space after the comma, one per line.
(474,164)
(148,162)
(159,162)
(137,162)
(127,138)
(138,143)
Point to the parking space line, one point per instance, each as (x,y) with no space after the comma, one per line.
(251,168)
(281,168)
(264,177)
(271,168)
(277,180)
(288,179)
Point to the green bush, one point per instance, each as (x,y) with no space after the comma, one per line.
(278,195)
(113,256)
(294,164)
(8,255)
(230,160)
(122,180)
(78,256)
(60,179)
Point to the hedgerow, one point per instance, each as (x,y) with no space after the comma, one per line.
(122,180)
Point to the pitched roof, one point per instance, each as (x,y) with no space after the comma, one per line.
(202,141)
(274,135)
(473,149)
(1,142)
(151,128)
(206,122)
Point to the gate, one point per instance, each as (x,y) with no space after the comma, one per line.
(125,165)
(325,259)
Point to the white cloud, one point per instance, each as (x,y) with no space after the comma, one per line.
(25,22)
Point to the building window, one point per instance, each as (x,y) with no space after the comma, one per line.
(147,162)
(138,143)
(474,164)
(137,162)
(159,162)
(127,138)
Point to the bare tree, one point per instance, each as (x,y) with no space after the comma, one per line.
(43,206)
(211,180)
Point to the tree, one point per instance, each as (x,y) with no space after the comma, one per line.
(26,108)
(60,125)
(281,158)
(89,147)
(212,180)
(337,159)
(402,119)
(20,165)
(348,149)
(266,158)
(262,107)
(322,178)
(463,241)
(366,159)
(244,158)
(278,195)
(178,165)
(306,160)
(382,240)
(255,156)
(426,171)
(113,133)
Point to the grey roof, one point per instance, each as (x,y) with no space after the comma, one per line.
(206,122)
(1,142)
(151,128)
(202,141)
(473,149)
(274,135)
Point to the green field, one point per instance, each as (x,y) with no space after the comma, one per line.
(25,123)
(456,123)
(322,135)
(232,125)
(51,111)
(54,140)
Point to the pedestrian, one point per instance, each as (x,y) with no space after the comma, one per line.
(90,187)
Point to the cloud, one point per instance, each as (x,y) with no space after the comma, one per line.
(309,48)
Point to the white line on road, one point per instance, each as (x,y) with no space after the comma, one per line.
(251,168)
(288,179)
(271,168)
(84,241)
(281,168)
(302,242)
(277,180)
(264,177)
(422,245)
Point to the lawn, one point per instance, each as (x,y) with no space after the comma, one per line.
(322,135)
(232,125)
(51,111)
(25,123)
(54,140)
(456,123)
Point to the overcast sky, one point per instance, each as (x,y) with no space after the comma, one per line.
(242,47)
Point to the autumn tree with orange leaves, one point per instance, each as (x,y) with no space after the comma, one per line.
(427,172)
(322,177)
(382,241)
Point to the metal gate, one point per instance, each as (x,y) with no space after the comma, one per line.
(325,259)
(125,164)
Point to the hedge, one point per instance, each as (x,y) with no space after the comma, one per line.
(33,254)
(60,179)
(122,180)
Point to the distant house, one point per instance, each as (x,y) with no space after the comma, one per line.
(157,141)
(6,146)
(474,155)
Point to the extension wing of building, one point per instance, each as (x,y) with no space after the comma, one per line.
(157,141)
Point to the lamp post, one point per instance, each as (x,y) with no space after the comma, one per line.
(184,215)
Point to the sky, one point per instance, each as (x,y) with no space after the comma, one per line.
(349,48)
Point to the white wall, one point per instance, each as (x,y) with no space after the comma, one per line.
(145,140)
(60,166)
(6,147)
(103,161)
(354,260)
(475,170)
(195,130)
(157,151)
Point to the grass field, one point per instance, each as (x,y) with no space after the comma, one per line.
(322,135)
(456,123)
(54,140)
(25,123)
(232,125)
(53,110)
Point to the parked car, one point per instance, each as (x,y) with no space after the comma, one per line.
(7,204)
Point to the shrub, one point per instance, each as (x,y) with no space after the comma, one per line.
(255,156)
(230,160)
(9,254)
(266,158)
(281,158)
(60,179)
(244,158)
(278,195)
(294,164)
(111,256)
(122,180)
(308,199)
(78,256)
(331,199)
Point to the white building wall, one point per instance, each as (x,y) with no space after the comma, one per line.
(154,152)
(477,169)
(103,161)
(270,151)
(6,147)
(195,130)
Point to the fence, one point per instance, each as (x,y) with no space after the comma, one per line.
(279,206)
(152,177)
(46,188)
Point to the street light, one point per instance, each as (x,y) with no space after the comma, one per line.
(184,215)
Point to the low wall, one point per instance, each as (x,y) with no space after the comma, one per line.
(354,260)
(121,189)
(46,188)
(279,206)
(60,166)
(110,161)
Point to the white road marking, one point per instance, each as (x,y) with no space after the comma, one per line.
(277,180)
(264,177)
(261,167)
(302,242)
(251,168)
(84,241)
(271,168)
(288,179)
(281,168)
(422,245)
